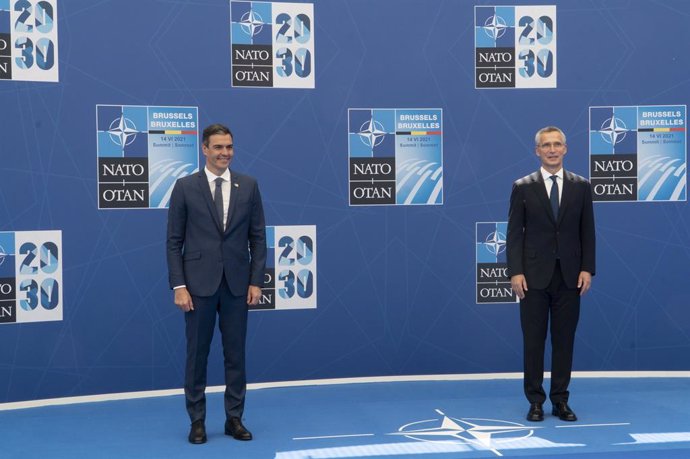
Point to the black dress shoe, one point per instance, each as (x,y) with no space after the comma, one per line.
(563,411)
(236,430)
(535,413)
(197,434)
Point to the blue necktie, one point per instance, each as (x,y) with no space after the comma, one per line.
(554,196)
(218,200)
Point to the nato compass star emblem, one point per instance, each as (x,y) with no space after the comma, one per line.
(495,242)
(484,433)
(372,133)
(123,131)
(3,255)
(495,27)
(252,23)
(613,130)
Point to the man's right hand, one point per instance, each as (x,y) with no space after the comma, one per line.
(519,284)
(183,299)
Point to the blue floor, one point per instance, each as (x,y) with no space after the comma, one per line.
(618,418)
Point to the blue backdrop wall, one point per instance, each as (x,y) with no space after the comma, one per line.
(396,284)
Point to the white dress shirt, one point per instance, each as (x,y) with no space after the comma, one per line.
(225,187)
(548,182)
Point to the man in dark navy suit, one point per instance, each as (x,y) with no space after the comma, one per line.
(550,250)
(216,250)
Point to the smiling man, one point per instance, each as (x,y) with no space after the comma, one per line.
(551,258)
(216,250)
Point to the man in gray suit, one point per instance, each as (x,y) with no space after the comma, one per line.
(216,250)
(550,251)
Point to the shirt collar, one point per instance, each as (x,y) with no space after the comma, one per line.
(547,175)
(210,176)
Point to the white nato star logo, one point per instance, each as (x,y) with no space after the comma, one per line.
(613,130)
(495,242)
(372,133)
(495,27)
(251,23)
(486,433)
(3,255)
(123,131)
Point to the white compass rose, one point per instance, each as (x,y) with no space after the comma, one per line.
(495,242)
(123,131)
(372,133)
(488,433)
(613,130)
(251,23)
(495,27)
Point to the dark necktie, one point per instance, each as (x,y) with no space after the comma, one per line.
(554,196)
(218,200)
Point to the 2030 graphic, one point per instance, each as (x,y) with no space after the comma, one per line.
(515,46)
(28,40)
(30,276)
(272,44)
(290,276)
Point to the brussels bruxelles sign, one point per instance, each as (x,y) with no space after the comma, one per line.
(142,151)
(395,156)
(638,153)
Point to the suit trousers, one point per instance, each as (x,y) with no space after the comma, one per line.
(562,305)
(199,326)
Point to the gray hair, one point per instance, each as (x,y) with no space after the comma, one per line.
(546,129)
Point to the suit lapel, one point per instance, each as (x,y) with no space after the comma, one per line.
(566,195)
(208,198)
(234,195)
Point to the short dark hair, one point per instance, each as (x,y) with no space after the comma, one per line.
(215,129)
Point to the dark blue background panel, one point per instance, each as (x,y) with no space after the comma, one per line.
(396,284)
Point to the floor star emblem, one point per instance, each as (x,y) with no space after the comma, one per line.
(486,433)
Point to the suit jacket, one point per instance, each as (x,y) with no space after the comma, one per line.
(199,251)
(536,239)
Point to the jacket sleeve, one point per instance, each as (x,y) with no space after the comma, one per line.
(587,233)
(516,231)
(257,239)
(177,221)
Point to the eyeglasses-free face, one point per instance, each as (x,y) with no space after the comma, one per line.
(551,150)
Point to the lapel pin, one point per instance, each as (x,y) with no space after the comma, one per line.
(237,185)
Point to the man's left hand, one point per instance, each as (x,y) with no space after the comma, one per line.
(584,282)
(253,295)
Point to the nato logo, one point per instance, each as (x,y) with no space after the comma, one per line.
(638,153)
(493,283)
(515,46)
(272,44)
(30,29)
(142,151)
(290,275)
(395,156)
